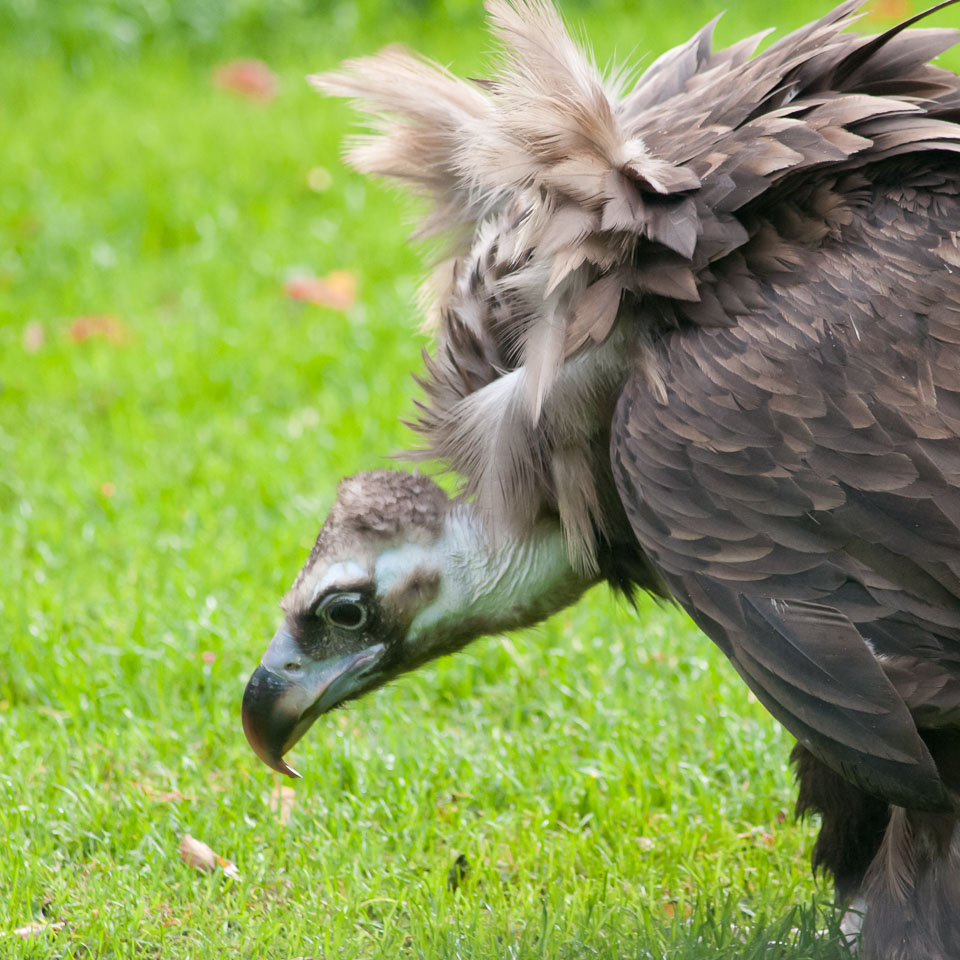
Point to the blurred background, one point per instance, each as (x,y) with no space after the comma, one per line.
(206,320)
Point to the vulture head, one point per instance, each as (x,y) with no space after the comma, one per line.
(399,574)
(697,334)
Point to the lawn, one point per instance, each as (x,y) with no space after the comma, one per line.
(172,426)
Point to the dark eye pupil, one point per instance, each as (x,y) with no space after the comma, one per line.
(345,614)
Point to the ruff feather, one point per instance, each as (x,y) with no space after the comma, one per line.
(567,202)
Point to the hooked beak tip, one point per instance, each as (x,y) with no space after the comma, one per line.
(285,768)
(268,729)
(278,710)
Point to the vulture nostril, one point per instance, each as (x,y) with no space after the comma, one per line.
(293,666)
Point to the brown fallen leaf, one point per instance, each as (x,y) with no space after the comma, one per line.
(282,800)
(195,853)
(758,835)
(166,796)
(25,226)
(889,10)
(229,868)
(160,796)
(104,325)
(250,79)
(319,179)
(33,336)
(52,712)
(37,928)
(337,290)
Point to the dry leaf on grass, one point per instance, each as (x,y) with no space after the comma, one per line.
(195,853)
(758,835)
(673,909)
(52,712)
(319,179)
(159,796)
(282,799)
(250,79)
(889,10)
(104,325)
(337,290)
(33,336)
(37,928)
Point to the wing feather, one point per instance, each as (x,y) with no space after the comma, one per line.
(796,479)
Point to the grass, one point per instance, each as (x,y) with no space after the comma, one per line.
(615,790)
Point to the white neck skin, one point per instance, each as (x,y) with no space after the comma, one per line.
(485,587)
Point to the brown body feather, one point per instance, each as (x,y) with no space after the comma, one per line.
(713,323)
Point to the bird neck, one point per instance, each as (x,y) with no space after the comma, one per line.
(490,585)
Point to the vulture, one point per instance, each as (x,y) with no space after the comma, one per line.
(697,332)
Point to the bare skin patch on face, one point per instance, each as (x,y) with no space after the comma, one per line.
(408,595)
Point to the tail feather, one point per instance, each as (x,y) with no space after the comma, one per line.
(912,890)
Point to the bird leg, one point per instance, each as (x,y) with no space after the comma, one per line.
(897,870)
(851,924)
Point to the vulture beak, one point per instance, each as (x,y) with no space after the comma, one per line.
(289,690)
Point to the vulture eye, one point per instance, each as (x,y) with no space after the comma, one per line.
(343,610)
